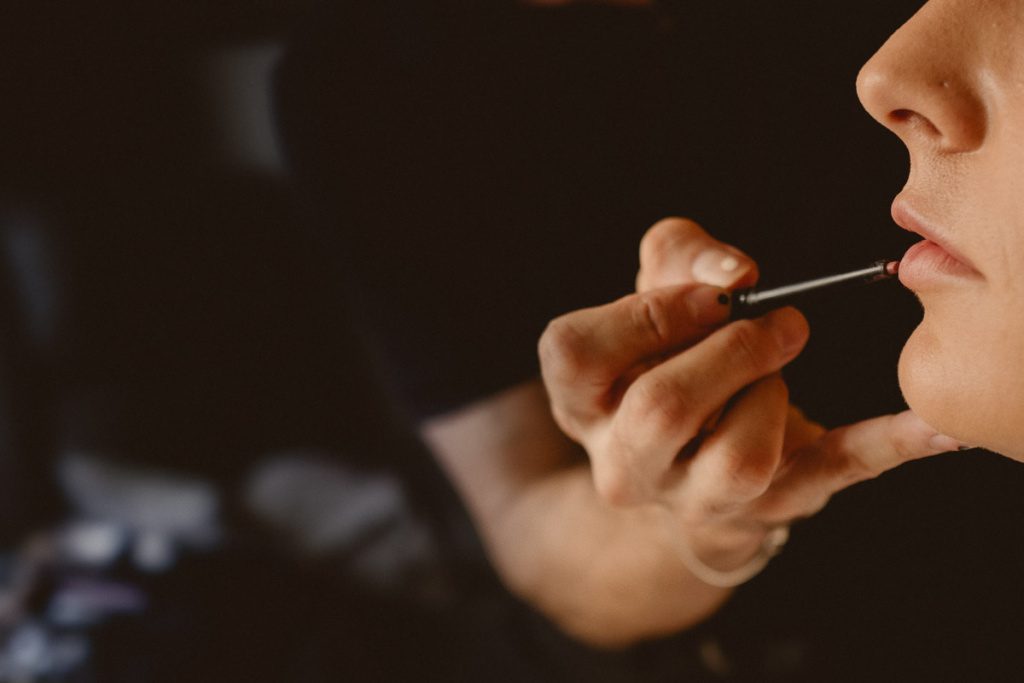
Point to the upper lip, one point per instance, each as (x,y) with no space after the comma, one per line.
(908,218)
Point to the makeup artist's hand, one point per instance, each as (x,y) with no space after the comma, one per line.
(677,408)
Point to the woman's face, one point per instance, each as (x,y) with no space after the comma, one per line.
(950,84)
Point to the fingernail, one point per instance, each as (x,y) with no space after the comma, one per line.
(718,267)
(708,305)
(943,443)
(789,328)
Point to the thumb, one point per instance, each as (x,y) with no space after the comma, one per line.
(809,476)
(874,446)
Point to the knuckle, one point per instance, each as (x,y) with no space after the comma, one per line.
(745,477)
(657,404)
(562,349)
(652,317)
(745,344)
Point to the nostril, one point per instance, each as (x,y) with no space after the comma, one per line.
(911,118)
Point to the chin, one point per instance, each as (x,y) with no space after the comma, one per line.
(959,393)
(922,381)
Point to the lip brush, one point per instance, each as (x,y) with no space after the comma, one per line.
(748,303)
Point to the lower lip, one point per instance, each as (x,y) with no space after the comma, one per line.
(927,263)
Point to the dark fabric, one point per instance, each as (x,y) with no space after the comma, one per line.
(27,497)
(486,167)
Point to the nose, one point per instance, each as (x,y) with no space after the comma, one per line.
(920,85)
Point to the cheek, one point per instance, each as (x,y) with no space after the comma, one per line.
(962,372)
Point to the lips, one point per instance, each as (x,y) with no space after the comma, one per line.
(932,261)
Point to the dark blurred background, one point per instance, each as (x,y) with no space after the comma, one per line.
(206,469)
